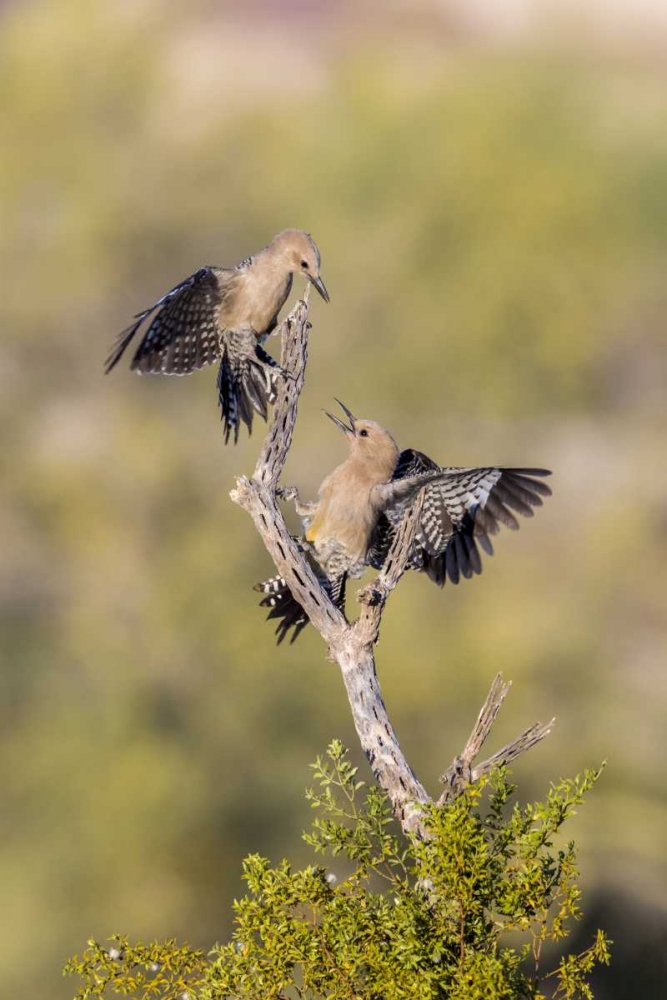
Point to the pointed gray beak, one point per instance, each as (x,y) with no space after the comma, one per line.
(338,422)
(321,287)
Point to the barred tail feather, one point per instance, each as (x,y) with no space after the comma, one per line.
(284,606)
(245,387)
(228,399)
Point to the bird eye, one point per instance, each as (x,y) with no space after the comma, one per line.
(363,434)
(304,263)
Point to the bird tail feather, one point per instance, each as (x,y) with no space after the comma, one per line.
(245,386)
(284,606)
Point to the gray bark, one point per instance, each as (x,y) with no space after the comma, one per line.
(351,646)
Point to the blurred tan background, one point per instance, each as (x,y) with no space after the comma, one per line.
(487,183)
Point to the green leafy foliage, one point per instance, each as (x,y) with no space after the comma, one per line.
(465,912)
(161,969)
(493,228)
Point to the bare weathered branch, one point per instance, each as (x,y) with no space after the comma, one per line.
(257,495)
(293,359)
(374,596)
(352,646)
(461,766)
(515,748)
(376,733)
(461,771)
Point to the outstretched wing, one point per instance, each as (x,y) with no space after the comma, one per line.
(184,334)
(460,510)
(399,493)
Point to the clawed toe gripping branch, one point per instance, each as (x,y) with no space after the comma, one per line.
(352,645)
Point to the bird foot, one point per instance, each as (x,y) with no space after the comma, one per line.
(291,495)
(287,493)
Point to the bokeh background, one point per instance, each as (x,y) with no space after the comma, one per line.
(488,186)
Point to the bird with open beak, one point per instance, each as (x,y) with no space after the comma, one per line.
(361,504)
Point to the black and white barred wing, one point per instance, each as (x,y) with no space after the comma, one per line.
(184,333)
(410,463)
(460,512)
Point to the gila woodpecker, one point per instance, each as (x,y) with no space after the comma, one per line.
(226,314)
(361,505)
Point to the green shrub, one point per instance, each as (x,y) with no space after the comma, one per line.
(464,913)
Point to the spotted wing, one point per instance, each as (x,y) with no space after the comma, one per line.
(460,511)
(184,333)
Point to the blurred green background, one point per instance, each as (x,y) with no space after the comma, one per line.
(488,188)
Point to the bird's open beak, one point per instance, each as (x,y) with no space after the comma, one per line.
(338,422)
(321,287)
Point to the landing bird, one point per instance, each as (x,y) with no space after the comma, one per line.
(363,502)
(226,314)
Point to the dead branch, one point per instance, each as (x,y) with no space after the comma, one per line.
(352,645)
(461,771)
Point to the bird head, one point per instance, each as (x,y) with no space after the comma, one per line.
(301,256)
(369,442)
